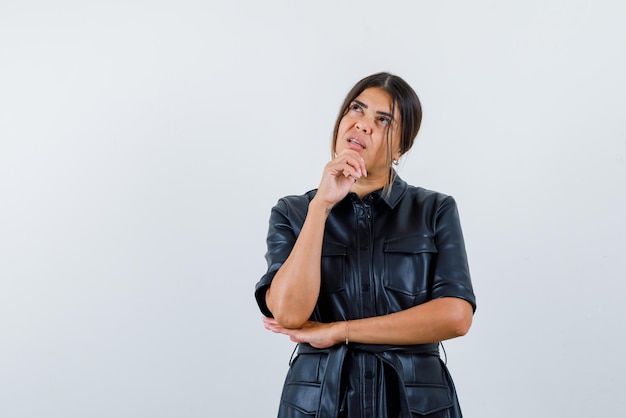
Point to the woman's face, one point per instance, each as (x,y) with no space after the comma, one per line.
(364,129)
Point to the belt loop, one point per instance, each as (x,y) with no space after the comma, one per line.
(445,355)
(292,355)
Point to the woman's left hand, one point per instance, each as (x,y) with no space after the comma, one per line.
(318,334)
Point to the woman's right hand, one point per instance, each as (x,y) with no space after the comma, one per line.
(295,289)
(338,177)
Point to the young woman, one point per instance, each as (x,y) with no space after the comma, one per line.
(367,273)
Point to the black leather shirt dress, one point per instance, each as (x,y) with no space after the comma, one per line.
(380,254)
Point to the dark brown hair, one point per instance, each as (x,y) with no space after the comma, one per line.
(403,98)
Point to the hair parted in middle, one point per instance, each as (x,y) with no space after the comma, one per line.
(403,98)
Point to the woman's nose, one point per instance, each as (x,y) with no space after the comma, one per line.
(364,125)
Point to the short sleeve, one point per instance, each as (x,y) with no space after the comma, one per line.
(452,276)
(286,220)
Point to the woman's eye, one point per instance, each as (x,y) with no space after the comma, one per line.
(355,107)
(385,121)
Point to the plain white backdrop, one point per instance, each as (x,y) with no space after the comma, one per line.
(143,144)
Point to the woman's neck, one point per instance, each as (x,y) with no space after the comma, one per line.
(366,185)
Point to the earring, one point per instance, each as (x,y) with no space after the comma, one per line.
(395,162)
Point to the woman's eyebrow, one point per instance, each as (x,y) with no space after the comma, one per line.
(389,115)
(364,106)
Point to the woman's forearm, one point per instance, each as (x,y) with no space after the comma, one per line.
(294,290)
(433,321)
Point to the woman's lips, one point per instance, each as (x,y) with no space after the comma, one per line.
(355,144)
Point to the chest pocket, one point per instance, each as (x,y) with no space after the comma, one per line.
(409,263)
(333,267)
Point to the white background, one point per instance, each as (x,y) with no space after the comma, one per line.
(143,144)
